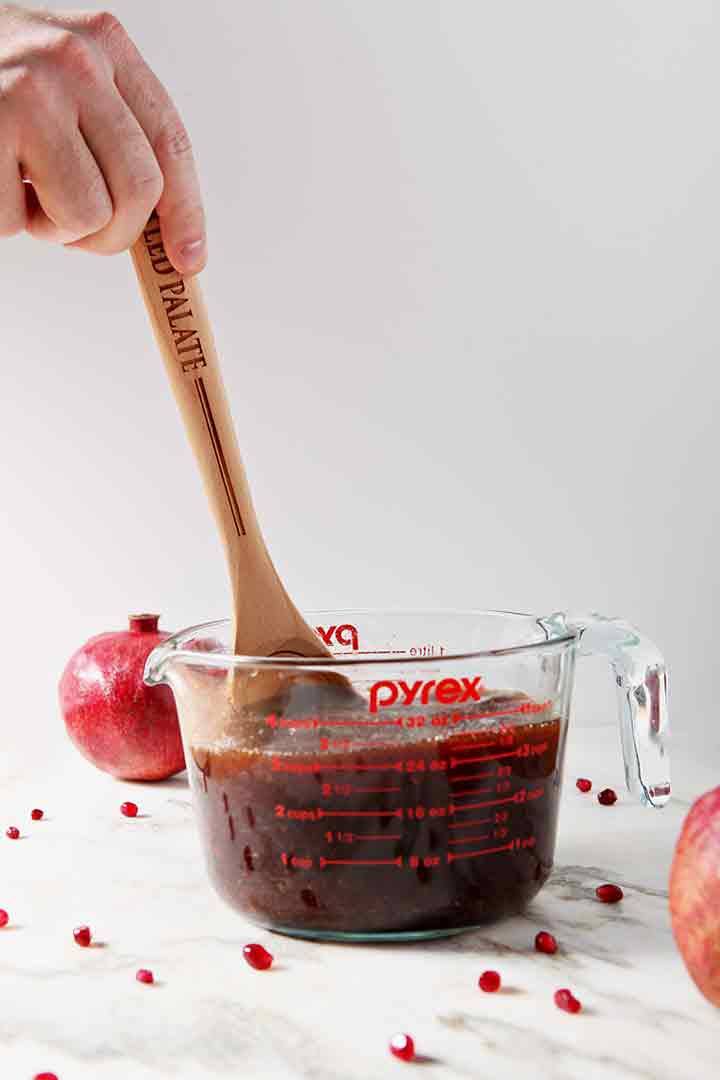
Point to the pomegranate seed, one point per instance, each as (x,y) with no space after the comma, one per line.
(36,815)
(257,957)
(82,936)
(566,1000)
(4,918)
(546,943)
(607,796)
(145,976)
(583,784)
(609,894)
(402,1046)
(129,809)
(45,1076)
(12,832)
(489,981)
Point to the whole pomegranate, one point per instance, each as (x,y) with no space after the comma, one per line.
(695,894)
(117,722)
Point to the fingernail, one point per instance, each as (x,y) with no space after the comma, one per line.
(192,250)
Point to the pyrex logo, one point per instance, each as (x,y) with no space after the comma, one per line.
(446,692)
(342,635)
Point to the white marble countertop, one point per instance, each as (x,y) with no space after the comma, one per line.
(326,1012)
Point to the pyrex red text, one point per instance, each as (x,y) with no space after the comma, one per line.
(445,692)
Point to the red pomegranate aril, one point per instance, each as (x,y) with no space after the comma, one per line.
(82,935)
(607,797)
(144,975)
(566,1000)
(257,957)
(546,943)
(609,894)
(583,784)
(4,918)
(12,832)
(489,981)
(129,809)
(36,815)
(402,1046)
(45,1076)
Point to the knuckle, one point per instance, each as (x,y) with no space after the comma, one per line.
(146,187)
(174,142)
(107,30)
(141,194)
(104,22)
(16,80)
(58,42)
(188,218)
(71,52)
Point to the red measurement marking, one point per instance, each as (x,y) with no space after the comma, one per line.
(472,791)
(370,652)
(497,714)
(322,766)
(397,722)
(375,790)
(477,745)
(468,824)
(454,762)
(321,813)
(470,776)
(359,767)
(374,836)
(298,862)
(337,789)
(313,722)
(490,802)
(453,855)
(359,862)
(526,707)
(468,839)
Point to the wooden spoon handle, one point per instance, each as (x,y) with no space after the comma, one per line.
(182,330)
(266,621)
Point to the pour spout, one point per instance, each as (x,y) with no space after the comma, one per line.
(156,665)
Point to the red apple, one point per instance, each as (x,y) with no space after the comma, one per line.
(695,894)
(121,725)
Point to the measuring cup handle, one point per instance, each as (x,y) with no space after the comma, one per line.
(641,681)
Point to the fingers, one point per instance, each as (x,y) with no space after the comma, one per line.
(131,171)
(13,207)
(72,198)
(85,120)
(181,213)
(39,140)
(180,208)
(38,125)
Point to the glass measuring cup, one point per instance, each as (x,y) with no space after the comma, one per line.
(424,804)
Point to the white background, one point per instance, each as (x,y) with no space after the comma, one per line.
(464,281)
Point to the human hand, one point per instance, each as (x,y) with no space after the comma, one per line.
(88,124)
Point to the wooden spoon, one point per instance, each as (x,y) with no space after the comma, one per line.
(266,622)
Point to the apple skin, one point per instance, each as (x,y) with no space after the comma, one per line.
(122,726)
(695,894)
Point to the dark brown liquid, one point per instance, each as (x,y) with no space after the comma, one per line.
(435,830)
